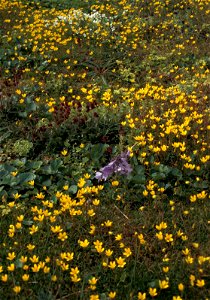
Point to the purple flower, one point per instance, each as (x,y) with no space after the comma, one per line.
(117,165)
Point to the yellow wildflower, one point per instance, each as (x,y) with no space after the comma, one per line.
(4,278)
(17,289)
(142,296)
(153,292)
(163,284)
(25,277)
(11,256)
(112,295)
(84,243)
(120,262)
(200,282)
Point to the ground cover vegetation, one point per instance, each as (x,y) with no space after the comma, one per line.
(104,149)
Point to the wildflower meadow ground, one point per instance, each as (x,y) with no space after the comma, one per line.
(104,150)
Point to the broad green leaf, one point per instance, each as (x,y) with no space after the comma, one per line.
(25,177)
(158,176)
(33,165)
(20,162)
(164,169)
(9,180)
(8,168)
(139,170)
(31,107)
(47,182)
(176,173)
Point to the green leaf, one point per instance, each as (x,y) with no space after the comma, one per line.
(97,151)
(54,199)
(154,283)
(123,277)
(18,264)
(35,165)
(163,169)
(3,173)
(73,189)
(53,168)
(47,182)
(158,176)
(9,180)
(55,164)
(31,107)
(22,114)
(85,160)
(138,179)
(66,143)
(103,296)
(25,177)
(8,168)
(27,222)
(176,173)
(19,162)
(139,170)
(201,184)
(69,225)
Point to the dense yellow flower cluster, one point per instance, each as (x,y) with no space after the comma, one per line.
(62,230)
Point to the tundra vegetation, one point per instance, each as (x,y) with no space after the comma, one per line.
(104,149)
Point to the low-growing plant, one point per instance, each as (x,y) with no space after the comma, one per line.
(22,147)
